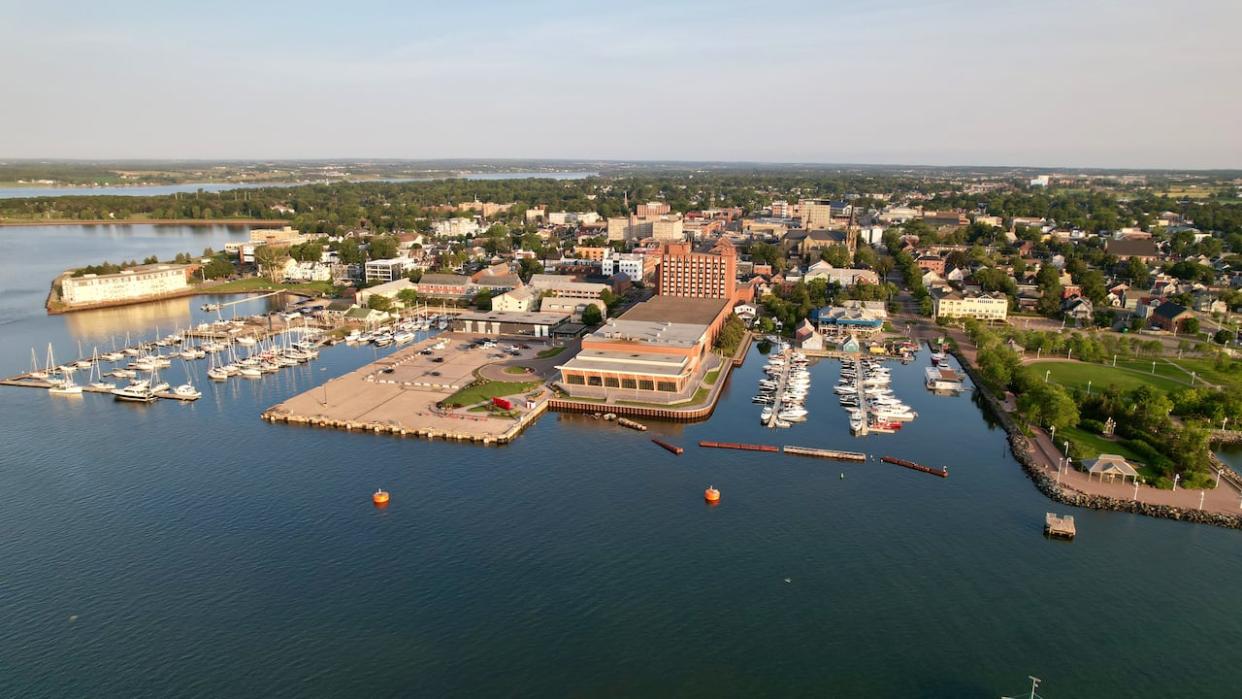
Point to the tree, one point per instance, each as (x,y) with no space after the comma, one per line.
(271,260)
(836,255)
(528,267)
(483,301)
(379,303)
(382,247)
(591,315)
(1190,325)
(217,267)
(407,297)
(350,252)
(1136,272)
(1222,337)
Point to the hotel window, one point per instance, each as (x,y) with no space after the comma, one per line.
(574,379)
(629,383)
(668,386)
(611,382)
(593,381)
(646,385)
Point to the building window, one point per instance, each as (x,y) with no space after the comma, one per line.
(646,385)
(629,383)
(593,381)
(574,379)
(668,386)
(611,382)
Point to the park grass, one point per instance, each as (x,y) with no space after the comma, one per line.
(550,352)
(1088,445)
(486,391)
(1071,374)
(261,284)
(710,377)
(1206,369)
(516,370)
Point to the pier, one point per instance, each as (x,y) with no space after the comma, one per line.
(778,399)
(736,445)
(1059,526)
(942,472)
(673,448)
(836,454)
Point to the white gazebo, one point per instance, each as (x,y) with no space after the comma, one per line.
(1110,467)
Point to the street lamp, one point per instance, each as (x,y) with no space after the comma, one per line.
(1114,361)
(1218,472)
(1052,435)
(1202,494)
(1136,485)
(1066,443)
(1088,389)
(1046,375)
(1176,477)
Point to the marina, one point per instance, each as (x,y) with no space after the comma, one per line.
(443,581)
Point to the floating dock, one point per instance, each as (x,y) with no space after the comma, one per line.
(1061,526)
(942,472)
(670,447)
(626,422)
(826,453)
(736,445)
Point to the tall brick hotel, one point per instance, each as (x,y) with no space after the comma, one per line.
(659,350)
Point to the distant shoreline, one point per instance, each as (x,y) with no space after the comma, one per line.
(152,221)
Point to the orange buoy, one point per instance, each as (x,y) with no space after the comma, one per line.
(380,498)
(711,495)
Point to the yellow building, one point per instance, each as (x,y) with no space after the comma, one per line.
(978,306)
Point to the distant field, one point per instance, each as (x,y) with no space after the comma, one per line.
(1101,376)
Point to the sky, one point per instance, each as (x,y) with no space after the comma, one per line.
(1133,84)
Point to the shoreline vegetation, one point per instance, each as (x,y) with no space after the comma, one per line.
(136,220)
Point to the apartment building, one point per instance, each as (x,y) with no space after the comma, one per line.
(980,306)
(710,272)
(144,281)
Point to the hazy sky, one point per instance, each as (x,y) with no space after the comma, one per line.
(1079,83)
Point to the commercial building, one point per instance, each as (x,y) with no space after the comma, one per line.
(496,323)
(288,235)
(384,270)
(658,350)
(565,286)
(521,300)
(816,213)
(842,276)
(637,267)
(652,208)
(456,228)
(853,316)
(708,273)
(144,281)
(388,290)
(572,306)
(450,286)
(981,306)
(668,228)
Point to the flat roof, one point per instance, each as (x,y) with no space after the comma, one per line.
(532,318)
(676,309)
(627,362)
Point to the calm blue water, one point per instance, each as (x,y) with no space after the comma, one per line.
(154,190)
(192,549)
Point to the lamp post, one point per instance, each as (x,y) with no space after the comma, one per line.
(1176,477)
(1202,494)
(1052,435)
(1070,353)
(1218,472)
(1114,361)
(1088,389)
(1153,368)
(1066,443)
(1136,485)
(1046,375)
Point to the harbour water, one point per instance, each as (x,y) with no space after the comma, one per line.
(192,549)
(155,190)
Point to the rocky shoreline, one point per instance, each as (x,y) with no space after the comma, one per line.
(1019,446)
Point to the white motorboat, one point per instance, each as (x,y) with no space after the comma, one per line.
(187,392)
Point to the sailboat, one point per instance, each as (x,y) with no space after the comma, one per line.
(96,377)
(67,387)
(35,371)
(187,391)
(82,363)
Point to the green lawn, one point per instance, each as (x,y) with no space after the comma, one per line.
(550,352)
(1101,376)
(1088,445)
(516,370)
(1206,368)
(488,390)
(710,377)
(261,284)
